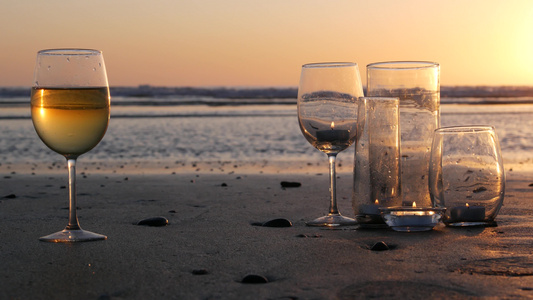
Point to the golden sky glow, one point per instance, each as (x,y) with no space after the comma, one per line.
(264,43)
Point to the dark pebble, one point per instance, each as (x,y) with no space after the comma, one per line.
(10,196)
(172,211)
(252,278)
(277,223)
(104,297)
(380,246)
(302,235)
(290,184)
(224,184)
(155,221)
(200,272)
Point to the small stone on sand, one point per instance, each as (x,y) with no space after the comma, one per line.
(275,223)
(252,278)
(155,221)
(200,272)
(380,246)
(290,184)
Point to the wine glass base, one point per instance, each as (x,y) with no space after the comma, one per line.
(332,220)
(72,236)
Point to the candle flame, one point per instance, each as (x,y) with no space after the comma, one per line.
(467,205)
(332,125)
(376,202)
(414,204)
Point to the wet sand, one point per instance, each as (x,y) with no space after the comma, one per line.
(210,245)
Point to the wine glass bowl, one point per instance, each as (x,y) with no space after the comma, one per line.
(70,128)
(327,113)
(329,134)
(70,109)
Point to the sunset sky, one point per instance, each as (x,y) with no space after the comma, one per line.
(264,43)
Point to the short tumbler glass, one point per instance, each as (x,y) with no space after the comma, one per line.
(466,175)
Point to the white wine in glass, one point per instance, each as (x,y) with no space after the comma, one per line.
(70,106)
(327,113)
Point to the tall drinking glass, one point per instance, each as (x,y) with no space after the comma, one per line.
(70,112)
(327,113)
(417,85)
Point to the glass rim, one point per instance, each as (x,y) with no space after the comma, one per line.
(69,51)
(330,65)
(403,65)
(465,129)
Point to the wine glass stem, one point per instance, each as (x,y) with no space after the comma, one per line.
(333,184)
(72,215)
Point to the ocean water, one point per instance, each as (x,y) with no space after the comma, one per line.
(186,125)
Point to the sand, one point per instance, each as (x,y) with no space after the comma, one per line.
(209,245)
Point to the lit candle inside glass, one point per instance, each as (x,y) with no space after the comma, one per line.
(370,209)
(332,134)
(467,213)
(405,218)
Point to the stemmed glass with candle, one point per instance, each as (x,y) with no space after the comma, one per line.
(70,112)
(327,113)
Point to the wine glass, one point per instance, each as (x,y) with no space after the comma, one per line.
(327,113)
(70,112)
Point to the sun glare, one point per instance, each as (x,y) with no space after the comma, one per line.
(521,48)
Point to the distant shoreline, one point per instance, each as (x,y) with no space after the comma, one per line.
(149,91)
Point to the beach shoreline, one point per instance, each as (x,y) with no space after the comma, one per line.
(210,245)
(212,176)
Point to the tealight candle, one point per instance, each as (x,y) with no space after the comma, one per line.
(405,218)
(370,209)
(369,216)
(467,213)
(332,135)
